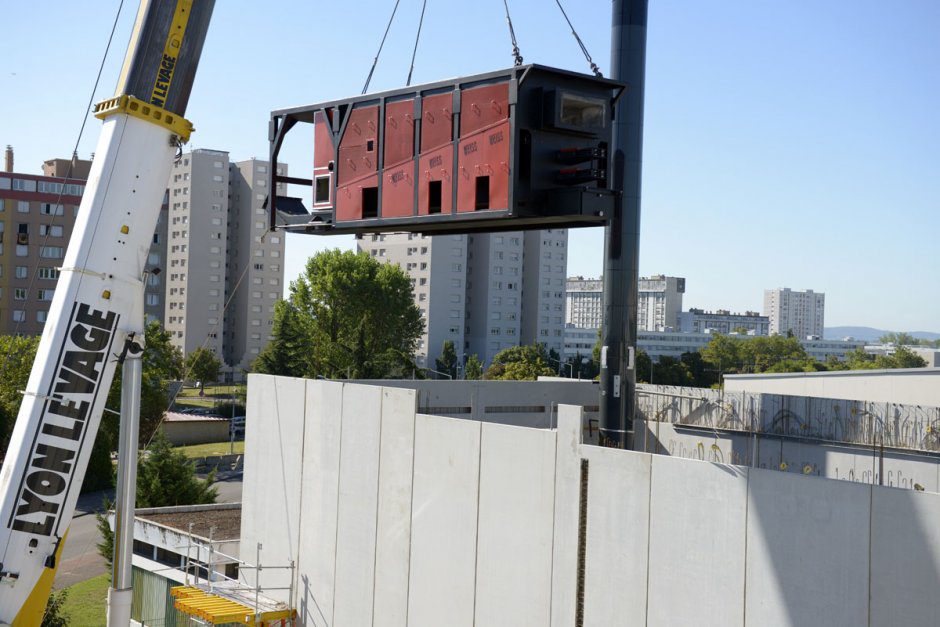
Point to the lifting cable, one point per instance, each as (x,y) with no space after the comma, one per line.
(58,203)
(68,176)
(424,5)
(512,36)
(375,61)
(594,68)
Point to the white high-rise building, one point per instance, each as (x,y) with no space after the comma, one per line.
(659,303)
(484,292)
(214,240)
(801,313)
(584,302)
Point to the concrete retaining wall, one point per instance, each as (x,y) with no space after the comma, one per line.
(395,517)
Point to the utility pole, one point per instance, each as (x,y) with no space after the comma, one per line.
(622,233)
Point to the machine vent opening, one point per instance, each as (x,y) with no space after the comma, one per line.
(434,197)
(370,202)
(482,193)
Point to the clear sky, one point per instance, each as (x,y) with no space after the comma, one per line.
(789,143)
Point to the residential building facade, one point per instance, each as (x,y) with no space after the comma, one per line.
(659,303)
(723,321)
(254,274)
(801,313)
(584,302)
(483,292)
(37,215)
(218,255)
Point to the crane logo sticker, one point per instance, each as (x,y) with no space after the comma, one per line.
(61,431)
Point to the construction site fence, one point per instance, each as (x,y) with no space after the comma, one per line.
(893,425)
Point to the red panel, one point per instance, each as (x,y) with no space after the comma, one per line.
(437,121)
(399,132)
(398,191)
(483,106)
(349,198)
(484,154)
(437,165)
(356,159)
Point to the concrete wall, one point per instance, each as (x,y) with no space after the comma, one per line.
(912,386)
(520,403)
(395,517)
(835,461)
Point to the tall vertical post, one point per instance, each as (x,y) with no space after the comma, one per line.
(622,234)
(120,594)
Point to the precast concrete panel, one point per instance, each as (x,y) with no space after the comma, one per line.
(320,471)
(271,492)
(905,558)
(698,513)
(357,507)
(514,541)
(615,576)
(567,496)
(807,550)
(444,522)
(393,526)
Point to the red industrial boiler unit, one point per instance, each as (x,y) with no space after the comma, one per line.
(523,148)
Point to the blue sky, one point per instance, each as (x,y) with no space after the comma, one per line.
(791,143)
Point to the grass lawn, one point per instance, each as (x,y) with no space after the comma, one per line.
(87,601)
(218,448)
(225,391)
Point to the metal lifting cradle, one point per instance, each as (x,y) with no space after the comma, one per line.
(522,148)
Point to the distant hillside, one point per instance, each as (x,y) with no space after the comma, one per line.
(869,334)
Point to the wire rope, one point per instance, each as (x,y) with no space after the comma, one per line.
(517,55)
(375,61)
(587,55)
(414,52)
(67,177)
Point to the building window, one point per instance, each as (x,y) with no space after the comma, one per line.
(19,315)
(46,294)
(51,252)
(52,230)
(41,316)
(19,293)
(22,272)
(22,206)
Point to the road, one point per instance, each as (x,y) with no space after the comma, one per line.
(80,558)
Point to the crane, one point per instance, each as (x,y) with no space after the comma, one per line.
(96,317)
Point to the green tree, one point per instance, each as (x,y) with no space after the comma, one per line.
(163,362)
(473,369)
(285,354)
(54,616)
(899,339)
(166,477)
(906,358)
(520,363)
(355,318)
(447,362)
(644,367)
(105,544)
(17,353)
(202,365)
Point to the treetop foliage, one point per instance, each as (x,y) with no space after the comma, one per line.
(520,363)
(166,477)
(347,316)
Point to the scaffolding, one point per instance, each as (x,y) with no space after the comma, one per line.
(219,599)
